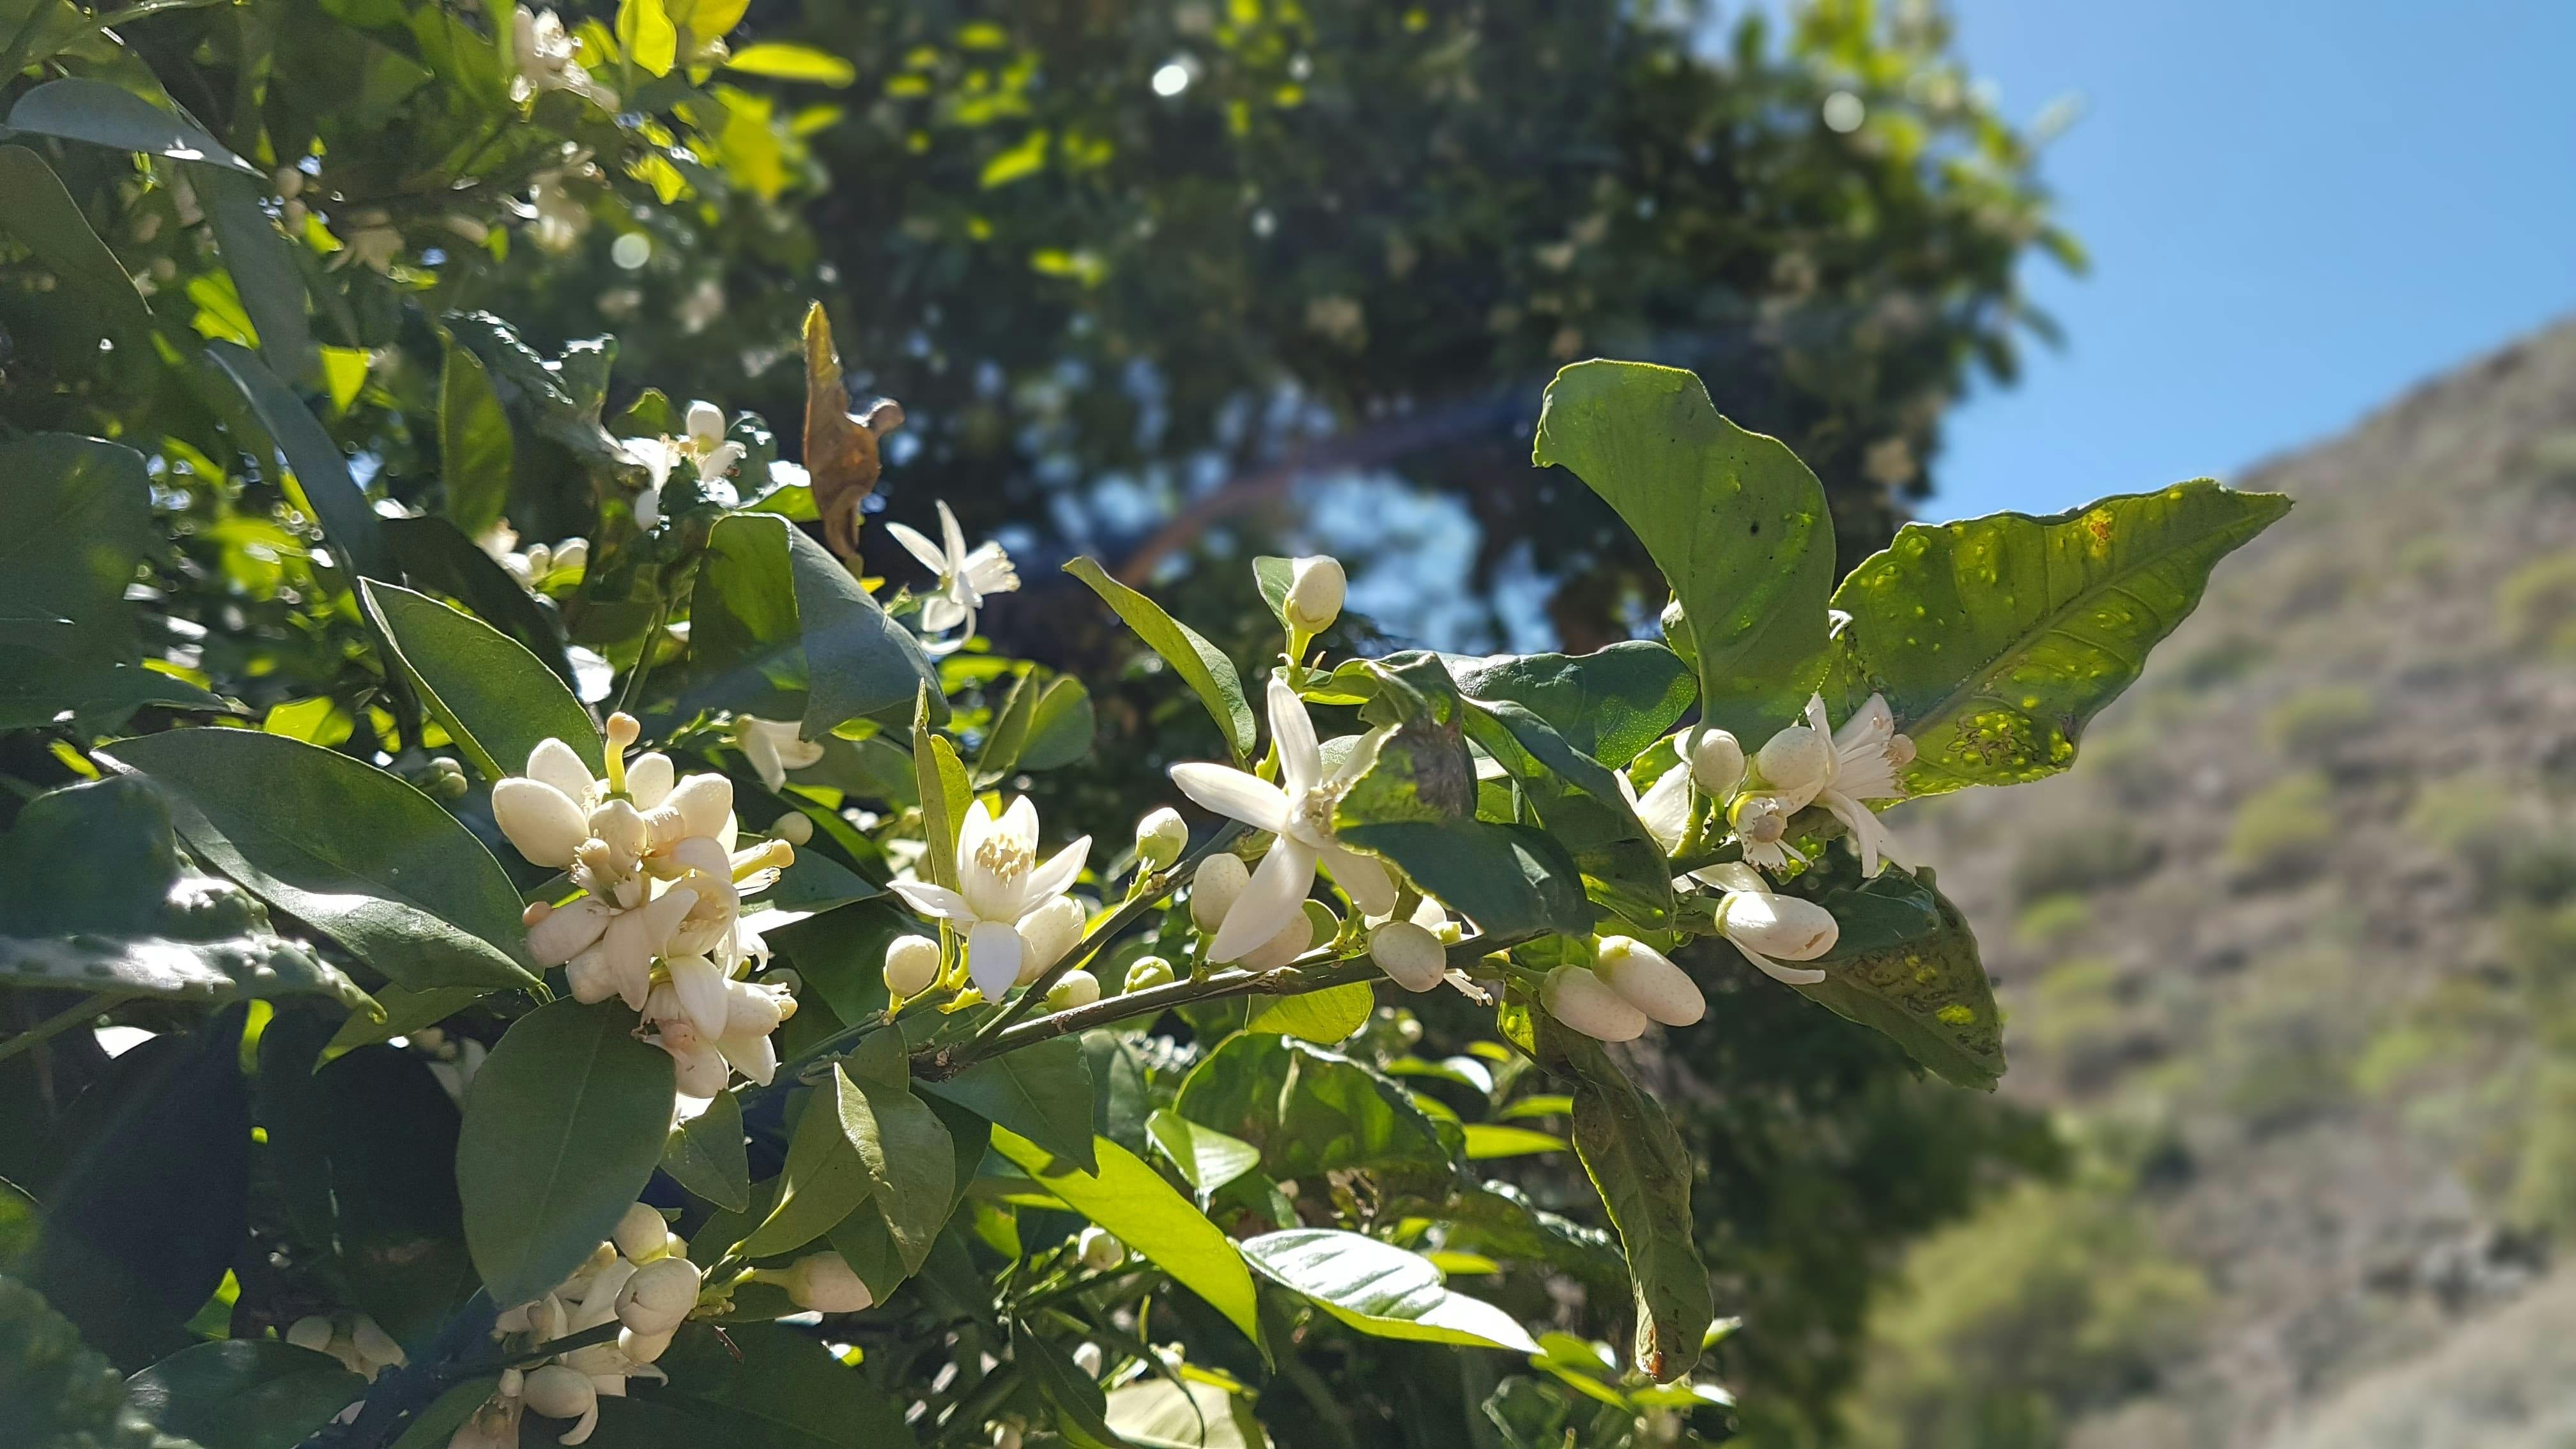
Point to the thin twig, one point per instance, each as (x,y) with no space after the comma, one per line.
(62,1021)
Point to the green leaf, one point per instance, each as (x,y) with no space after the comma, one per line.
(1046,722)
(646,34)
(75,521)
(1930,995)
(406,1011)
(45,220)
(1311,1111)
(1508,879)
(1486,1140)
(1206,1158)
(496,699)
(563,1126)
(244,1393)
(320,474)
(474,444)
(1323,1017)
(1131,1202)
(1643,1173)
(1997,639)
(778,628)
(1381,1290)
(1737,524)
(782,1386)
(708,1155)
(942,788)
(785,60)
(1543,1104)
(1073,1394)
(827,1176)
(910,1159)
(1041,1092)
(354,852)
(78,109)
(1200,664)
(265,277)
(436,556)
(1158,1413)
(1610,704)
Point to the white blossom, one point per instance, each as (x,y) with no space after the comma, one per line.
(1649,981)
(1583,1001)
(965,579)
(545,51)
(1768,928)
(1410,955)
(1000,883)
(1841,770)
(1299,813)
(1315,591)
(774,747)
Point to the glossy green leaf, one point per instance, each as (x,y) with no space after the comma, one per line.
(1737,524)
(436,556)
(708,1156)
(1206,1158)
(474,444)
(1074,1395)
(1200,664)
(497,699)
(244,1393)
(563,1126)
(79,109)
(361,856)
(321,475)
(1643,1173)
(826,1176)
(1540,1104)
(1610,704)
(911,1161)
(75,521)
(1380,1289)
(1311,1111)
(1486,1140)
(1131,1201)
(1929,994)
(405,1011)
(44,219)
(782,1386)
(1042,1092)
(1157,1413)
(1324,1017)
(263,269)
(941,788)
(778,628)
(1508,879)
(1997,639)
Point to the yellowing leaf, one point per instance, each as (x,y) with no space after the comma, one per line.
(651,41)
(1024,159)
(784,60)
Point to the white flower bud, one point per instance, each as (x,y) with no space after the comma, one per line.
(1411,956)
(658,1298)
(313,1332)
(562,1392)
(1145,973)
(1099,1251)
(1315,592)
(795,827)
(640,1233)
(1900,751)
(1048,933)
(1650,981)
(755,1009)
(824,1283)
(545,825)
(911,964)
(700,1074)
(1076,989)
(706,424)
(1213,888)
(572,553)
(1086,1357)
(1785,928)
(1717,764)
(1585,1002)
(1161,836)
(1795,762)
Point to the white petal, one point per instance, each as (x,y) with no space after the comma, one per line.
(974,828)
(554,762)
(762,752)
(1234,794)
(701,989)
(1276,893)
(919,546)
(540,820)
(1301,760)
(1363,879)
(1785,975)
(954,540)
(989,570)
(797,754)
(1058,872)
(993,957)
(1361,757)
(752,1054)
(649,778)
(1665,807)
(933,900)
(569,930)
(1019,824)
(940,613)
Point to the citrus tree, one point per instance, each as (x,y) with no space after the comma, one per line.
(511,934)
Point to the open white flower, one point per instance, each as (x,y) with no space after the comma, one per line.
(774,748)
(1665,807)
(999,884)
(704,446)
(965,578)
(1299,811)
(1867,753)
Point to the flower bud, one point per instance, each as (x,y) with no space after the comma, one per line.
(1410,955)
(658,1298)
(825,1284)
(1047,933)
(622,731)
(313,1332)
(1145,973)
(911,965)
(1099,1251)
(1900,751)
(1315,592)
(755,1009)
(559,1391)
(1786,928)
(1795,762)
(374,1345)
(618,824)
(1650,981)
(1076,989)
(572,553)
(640,1233)
(1717,764)
(1213,888)
(706,424)
(1160,837)
(443,779)
(795,827)
(700,1074)
(1585,1002)
(545,825)
(1086,1357)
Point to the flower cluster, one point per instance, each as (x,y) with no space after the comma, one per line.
(641,1279)
(535,566)
(546,53)
(354,1339)
(658,918)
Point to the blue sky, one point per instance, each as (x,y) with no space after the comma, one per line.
(2296,209)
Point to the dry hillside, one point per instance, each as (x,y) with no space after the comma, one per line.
(2294,951)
